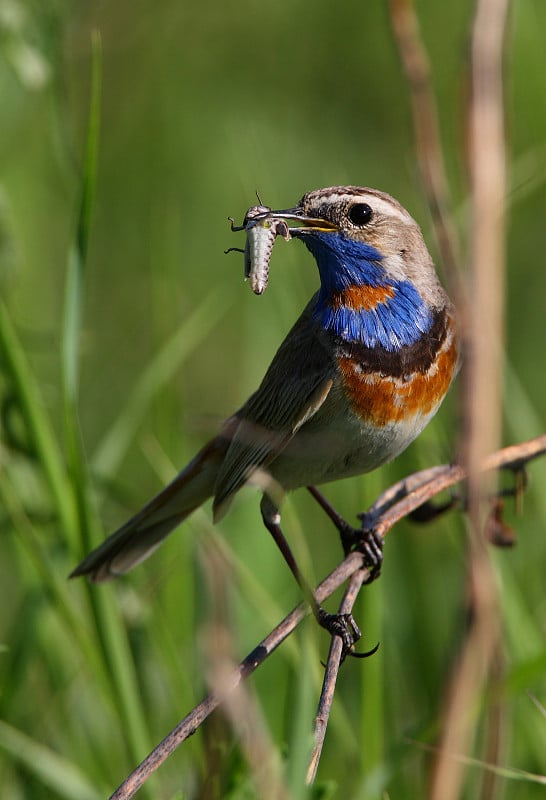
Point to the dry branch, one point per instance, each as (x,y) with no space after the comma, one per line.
(416,67)
(393,505)
(480,656)
(335,658)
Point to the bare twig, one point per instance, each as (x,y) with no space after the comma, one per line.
(421,487)
(335,657)
(494,735)
(488,180)
(413,56)
(238,704)
(482,385)
(408,494)
(197,716)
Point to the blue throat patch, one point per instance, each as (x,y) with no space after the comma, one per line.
(343,264)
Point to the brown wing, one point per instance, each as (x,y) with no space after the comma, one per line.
(293,389)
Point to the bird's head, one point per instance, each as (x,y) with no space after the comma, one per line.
(361,236)
(375,270)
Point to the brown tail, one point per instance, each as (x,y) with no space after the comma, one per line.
(144,532)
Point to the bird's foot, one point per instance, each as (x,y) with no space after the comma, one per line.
(364,540)
(429,511)
(344,626)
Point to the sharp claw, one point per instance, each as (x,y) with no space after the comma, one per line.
(367,654)
(369,543)
(365,540)
(342,625)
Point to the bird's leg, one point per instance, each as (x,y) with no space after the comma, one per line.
(342,625)
(364,539)
(346,531)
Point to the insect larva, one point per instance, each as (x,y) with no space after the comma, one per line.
(261,235)
(261,232)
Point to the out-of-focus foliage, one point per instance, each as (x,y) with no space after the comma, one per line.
(202,106)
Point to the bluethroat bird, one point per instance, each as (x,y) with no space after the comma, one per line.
(357,378)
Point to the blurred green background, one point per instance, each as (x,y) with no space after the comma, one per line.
(202,106)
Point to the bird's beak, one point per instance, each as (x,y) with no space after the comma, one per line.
(305,224)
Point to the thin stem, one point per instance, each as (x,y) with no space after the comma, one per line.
(421,489)
(335,659)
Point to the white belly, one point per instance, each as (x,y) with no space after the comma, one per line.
(343,447)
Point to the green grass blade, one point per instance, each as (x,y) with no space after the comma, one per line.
(78,252)
(58,774)
(39,429)
(109,627)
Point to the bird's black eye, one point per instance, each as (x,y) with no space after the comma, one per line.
(360,213)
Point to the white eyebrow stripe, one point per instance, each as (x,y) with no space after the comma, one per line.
(378,204)
(388,209)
